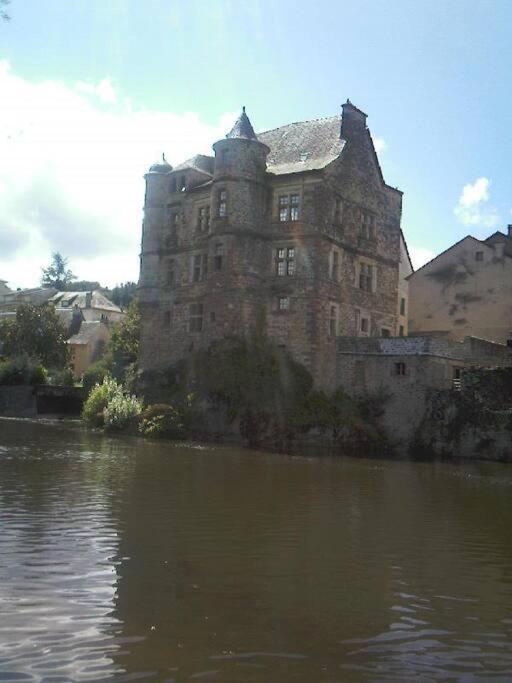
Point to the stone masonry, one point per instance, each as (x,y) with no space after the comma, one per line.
(296,222)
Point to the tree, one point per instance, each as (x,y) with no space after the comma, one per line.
(83,286)
(123,345)
(36,332)
(57,274)
(123,294)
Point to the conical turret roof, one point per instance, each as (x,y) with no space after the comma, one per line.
(161,166)
(242,128)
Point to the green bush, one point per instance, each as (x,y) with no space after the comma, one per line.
(162,420)
(22,370)
(95,374)
(63,378)
(97,401)
(121,411)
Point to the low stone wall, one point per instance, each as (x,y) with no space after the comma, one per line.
(18,401)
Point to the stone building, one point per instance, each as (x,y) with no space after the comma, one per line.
(296,222)
(466,290)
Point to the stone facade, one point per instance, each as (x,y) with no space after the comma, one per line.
(406,372)
(466,290)
(296,222)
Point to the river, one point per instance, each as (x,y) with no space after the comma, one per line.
(123,559)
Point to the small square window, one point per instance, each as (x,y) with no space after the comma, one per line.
(284,303)
(400,369)
(479,256)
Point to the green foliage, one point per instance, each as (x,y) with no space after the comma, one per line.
(57,274)
(123,345)
(121,411)
(82,286)
(22,370)
(63,378)
(123,295)
(96,402)
(95,374)
(162,420)
(108,405)
(36,332)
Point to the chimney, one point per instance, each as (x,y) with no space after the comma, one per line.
(509,230)
(88,299)
(353,120)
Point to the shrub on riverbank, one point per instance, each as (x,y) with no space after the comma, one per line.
(22,370)
(109,406)
(162,420)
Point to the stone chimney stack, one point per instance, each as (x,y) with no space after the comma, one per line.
(353,120)
(88,299)
(509,230)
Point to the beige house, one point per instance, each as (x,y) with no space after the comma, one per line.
(466,290)
(87,345)
(93,304)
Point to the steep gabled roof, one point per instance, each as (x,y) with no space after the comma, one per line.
(242,128)
(199,162)
(303,146)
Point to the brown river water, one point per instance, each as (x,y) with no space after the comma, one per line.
(124,560)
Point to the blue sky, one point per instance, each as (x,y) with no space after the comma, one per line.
(94,90)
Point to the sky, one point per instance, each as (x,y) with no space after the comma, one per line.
(92,92)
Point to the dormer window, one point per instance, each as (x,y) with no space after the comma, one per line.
(303,156)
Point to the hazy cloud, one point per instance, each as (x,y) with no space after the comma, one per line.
(72,161)
(379,144)
(473,209)
(420,256)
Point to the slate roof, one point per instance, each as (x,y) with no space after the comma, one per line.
(242,128)
(88,332)
(199,162)
(71,299)
(303,146)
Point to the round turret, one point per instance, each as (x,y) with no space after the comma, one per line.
(161,166)
(240,153)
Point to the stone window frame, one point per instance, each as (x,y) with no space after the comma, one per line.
(333,319)
(195,317)
(400,369)
(218,256)
(402,305)
(367,225)
(479,256)
(365,277)
(288,204)
(222,203)
(199,267)
(283,303)
(334,264)
(286,261)
(363,323)
(173,216)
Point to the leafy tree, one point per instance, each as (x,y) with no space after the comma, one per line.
(57,274)
(123,294)
(123,345)
(82,286)
(36,332)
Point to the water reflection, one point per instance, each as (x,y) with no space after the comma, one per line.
(129,559)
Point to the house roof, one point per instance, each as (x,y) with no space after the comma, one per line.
(242,128)
(199,162)
(485,243)
(71,299)
(88,332)
(303,146)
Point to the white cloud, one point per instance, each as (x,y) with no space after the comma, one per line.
(420,256)
(472,208)
(72,161)
(380,144)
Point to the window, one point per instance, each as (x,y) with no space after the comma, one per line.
(338,211)
(365,325)
(479,256)
(400,369)
(199,267)
(217,259)
(385,332)
(289,207)
(402,306)
(334,265)
(182,184)
(401,331)
(207,218)
(283,303)
(366,277)
(167,318)
(333,320)
(367,226)
(173,216)
(222,204)
(212,316)
(203,219)
(285,261)
(200,219)
(195,317)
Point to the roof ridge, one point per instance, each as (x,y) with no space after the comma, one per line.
(296,123)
